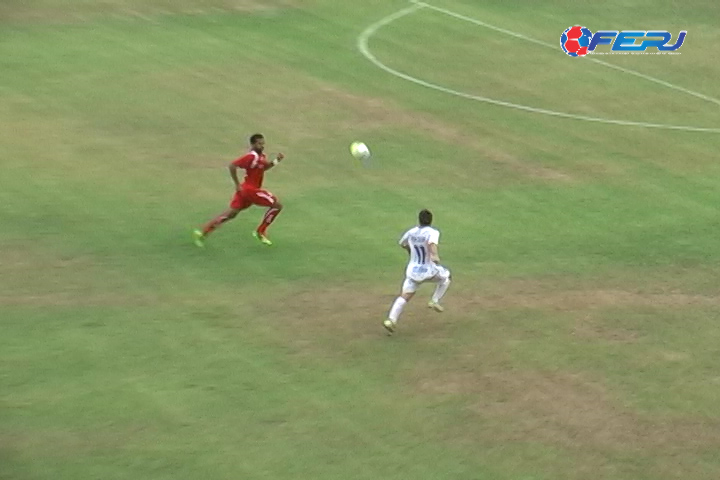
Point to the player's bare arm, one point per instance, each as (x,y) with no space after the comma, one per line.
(434,257)
(233,174)
(278,159)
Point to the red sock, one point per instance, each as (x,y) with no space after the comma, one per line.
(214,223)
(268,219)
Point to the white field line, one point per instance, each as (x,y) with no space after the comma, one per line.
(555,47)
(364,38)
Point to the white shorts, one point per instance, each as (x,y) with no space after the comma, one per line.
(412,282)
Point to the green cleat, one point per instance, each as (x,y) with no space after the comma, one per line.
(262,238)
(198,238)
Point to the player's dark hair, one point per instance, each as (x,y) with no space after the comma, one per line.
(425,218)
(255,138)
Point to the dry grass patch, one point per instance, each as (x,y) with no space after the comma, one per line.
(538,296)
(38,278)
(328,111)
(566,410)
(70,11)
(73,442)
(377,113)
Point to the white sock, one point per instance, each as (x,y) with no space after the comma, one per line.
(440,291)
(397,309)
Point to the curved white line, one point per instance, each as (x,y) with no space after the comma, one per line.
(554,47)
(362,45)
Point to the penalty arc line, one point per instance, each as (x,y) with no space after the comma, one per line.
(554,47)
(363,47)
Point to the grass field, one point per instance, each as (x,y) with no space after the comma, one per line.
(581,336)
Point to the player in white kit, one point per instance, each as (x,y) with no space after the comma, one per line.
(424,266)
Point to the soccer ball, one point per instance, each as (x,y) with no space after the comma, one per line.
(360,151)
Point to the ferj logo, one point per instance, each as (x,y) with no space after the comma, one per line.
(578,41)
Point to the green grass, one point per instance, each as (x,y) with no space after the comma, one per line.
(580,338)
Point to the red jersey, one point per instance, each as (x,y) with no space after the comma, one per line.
(254,164)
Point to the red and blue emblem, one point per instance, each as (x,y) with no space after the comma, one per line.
(575,41)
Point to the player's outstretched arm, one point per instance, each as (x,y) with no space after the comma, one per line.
(277,160)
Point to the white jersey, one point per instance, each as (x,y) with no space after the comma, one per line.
(418,239)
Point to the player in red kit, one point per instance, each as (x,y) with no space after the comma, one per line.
(250,192)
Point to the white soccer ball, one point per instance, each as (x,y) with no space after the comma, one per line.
(360,151)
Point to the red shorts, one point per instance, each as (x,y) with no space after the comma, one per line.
(244,198)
